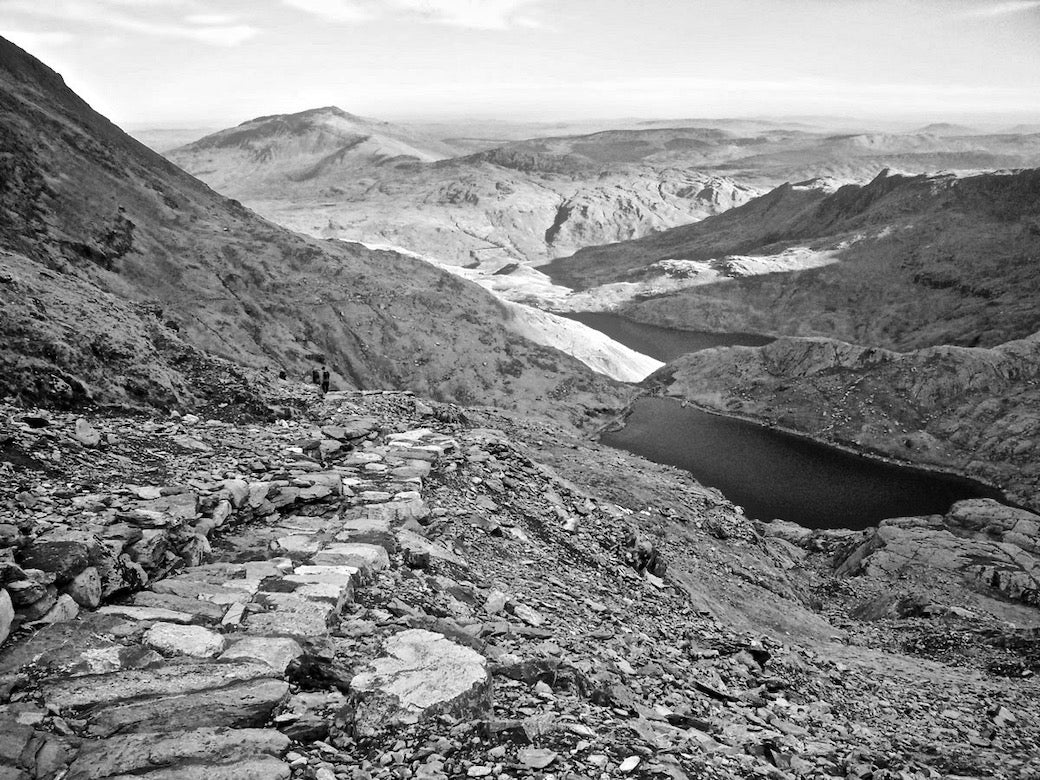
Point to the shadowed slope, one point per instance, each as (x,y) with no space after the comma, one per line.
(110,251)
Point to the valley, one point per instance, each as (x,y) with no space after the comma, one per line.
(664,450)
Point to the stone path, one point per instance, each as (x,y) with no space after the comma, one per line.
(180,679)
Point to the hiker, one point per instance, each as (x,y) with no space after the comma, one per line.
(640,554)
(315,376)
(325,380)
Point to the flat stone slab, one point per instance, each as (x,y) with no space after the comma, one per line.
(173,639)
(246,769)
(275,651)
(368,529)
(240,704)
(368,557)
(206,611)
(218,750)
(148,613)
(421,674)
(93,689)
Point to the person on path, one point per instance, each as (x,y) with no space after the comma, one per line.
(315,376)
(325,380)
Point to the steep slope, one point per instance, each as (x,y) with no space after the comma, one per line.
(969,410)
(117,265)
(913,261)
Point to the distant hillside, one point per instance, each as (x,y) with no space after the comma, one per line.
(912,261)
(323,144)
(120,272)
(533,200)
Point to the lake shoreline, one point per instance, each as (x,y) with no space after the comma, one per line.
(619,422)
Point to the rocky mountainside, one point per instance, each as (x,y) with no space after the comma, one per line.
(487,209)
(388,588)
(538,199)
(122,277)
(904,262)
(969,410)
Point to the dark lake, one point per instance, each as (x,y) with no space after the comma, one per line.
(776,475)
(662,343)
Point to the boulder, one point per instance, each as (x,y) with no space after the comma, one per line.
(63,559)
(86,434)
(85,588)
(420,674)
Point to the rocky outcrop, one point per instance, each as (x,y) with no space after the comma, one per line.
(979,542)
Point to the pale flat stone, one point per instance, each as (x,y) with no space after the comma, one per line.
(298,543)
(338,575)
(275,651)
(421,674)
(147,613)
(174,639)
(369,557)
(374,496)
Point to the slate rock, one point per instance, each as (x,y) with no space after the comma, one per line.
(213,749)
(63,559)
(240,704)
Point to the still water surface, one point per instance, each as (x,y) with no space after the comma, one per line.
(776,475)
(662,343)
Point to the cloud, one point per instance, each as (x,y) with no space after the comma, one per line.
(156,18)
(349,11)
(33,40)
(1001,9)
(472,14)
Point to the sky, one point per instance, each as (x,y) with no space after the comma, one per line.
(169,63)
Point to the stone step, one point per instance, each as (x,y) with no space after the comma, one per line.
(95,689)
(247,703)
(219,753)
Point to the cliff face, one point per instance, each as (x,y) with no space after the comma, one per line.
(970,410)
(118,268)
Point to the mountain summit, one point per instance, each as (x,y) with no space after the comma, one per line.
(318,145)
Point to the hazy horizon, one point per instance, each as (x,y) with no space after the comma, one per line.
(188,63)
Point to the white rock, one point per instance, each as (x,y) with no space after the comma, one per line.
(421,674)
(86,434)
(174,639)
(275,651)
